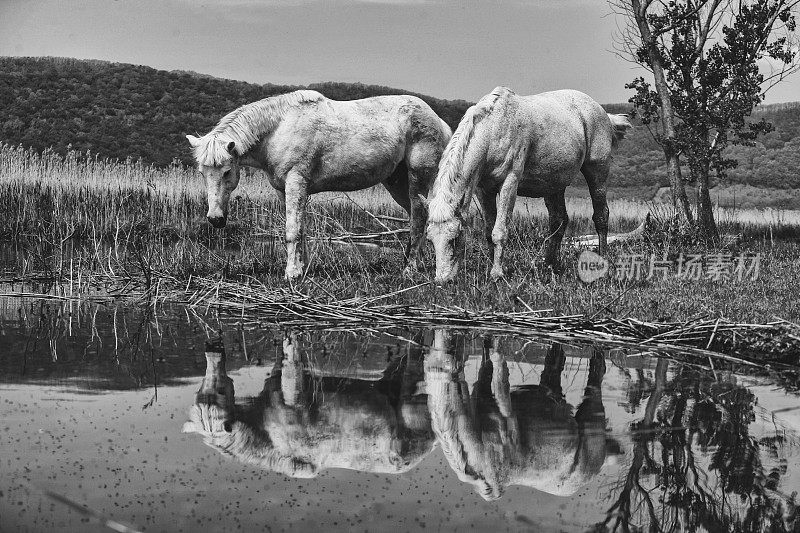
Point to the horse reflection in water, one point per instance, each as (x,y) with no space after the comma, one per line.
(301,424)
(528,436)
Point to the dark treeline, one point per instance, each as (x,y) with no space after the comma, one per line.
(120,110)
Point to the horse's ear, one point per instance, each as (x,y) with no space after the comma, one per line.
(424,200)
(231,148)
(194,141)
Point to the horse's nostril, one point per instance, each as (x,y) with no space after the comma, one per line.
(217,222)
(443,280)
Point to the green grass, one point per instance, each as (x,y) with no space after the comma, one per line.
(65,217)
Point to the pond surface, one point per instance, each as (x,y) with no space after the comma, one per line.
(177,421)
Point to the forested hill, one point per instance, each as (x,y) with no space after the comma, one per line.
(120,110)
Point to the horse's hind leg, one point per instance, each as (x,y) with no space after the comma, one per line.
(405,186)
(591,415)
(554,363)
(558,220)
(418,181)
(397,185)
(591,408)
(596,174)
(557,210)
(414,403)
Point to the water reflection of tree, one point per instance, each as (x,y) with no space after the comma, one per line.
(636,391)
(665,489)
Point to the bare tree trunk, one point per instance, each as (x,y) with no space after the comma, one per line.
(680,202)
(705,211)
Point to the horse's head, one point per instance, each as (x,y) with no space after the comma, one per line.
(218,162)
(445,231)
(213,411)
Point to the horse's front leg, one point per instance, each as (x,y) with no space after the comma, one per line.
(505,207)
(296,199)
(487,200)
(557,209)
(293,370)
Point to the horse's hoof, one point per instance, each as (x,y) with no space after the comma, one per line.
(497,274)
(409,271)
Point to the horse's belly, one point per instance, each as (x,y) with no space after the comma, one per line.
(351,176)
(354,165)
(551,166)
(348,182)
(541,185)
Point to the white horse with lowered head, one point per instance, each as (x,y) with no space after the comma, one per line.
(306,143)
(494,435)
(533,146)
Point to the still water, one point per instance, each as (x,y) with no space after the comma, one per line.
(174,420)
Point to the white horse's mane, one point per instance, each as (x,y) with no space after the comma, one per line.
(442,205)
(245,125)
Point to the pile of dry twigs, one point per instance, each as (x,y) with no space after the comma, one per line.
(774,343)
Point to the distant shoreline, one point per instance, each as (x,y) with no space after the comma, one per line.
(728,196)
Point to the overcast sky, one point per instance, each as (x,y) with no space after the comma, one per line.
(445,48)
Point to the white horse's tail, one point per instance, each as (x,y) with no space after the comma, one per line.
(620,126)
(441,207)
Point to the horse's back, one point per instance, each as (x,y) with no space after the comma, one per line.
(415,118)
(579,102)
(354,144)
(398,106)
(578,115)
(540,135)
(553,133)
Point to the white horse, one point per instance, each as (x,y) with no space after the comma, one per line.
(307,143)
(303,423)
(496,436)
(533,146)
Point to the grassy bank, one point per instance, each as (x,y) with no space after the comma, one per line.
(76,216)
